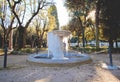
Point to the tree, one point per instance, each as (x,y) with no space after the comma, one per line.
(54,13)
(40,23)
(75,28)
(110,18)
(23,5)
(89,33)
(98,5)
(53,22)
(80,9)
(6,21)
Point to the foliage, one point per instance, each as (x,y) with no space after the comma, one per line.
(110,19)
(74,26)
(23,9)
(27,50)
(73,39)
(90,49)
(79,9)
(89,34)
(66,27)
(54,13)
(53,18)
(23,51)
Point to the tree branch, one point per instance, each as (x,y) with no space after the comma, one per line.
(13,9)
(34,14)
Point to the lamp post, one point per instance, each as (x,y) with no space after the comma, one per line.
(5,55)
(5,49)
(110,56)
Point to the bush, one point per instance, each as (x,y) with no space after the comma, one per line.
(27,50)
(23,51)
(88,50)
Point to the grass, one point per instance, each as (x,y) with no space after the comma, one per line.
(89,49)
(12,67)
(92,49)
(25,51)
(1,51)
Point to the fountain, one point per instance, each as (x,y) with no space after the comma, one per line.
(58,43)
(58,53)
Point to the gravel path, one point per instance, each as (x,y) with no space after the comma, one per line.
(21,71)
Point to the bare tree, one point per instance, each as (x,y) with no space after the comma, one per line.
(40,24)
(28,9)
(6,20)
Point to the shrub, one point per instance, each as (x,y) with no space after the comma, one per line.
(27,50)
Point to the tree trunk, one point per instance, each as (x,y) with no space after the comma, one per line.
(22,37)
(97,23)
(15,40)
(83,35)
(110,50)
(110,43)
(1,41)
(11,40)
(116,44)
(4,38)
(78,41)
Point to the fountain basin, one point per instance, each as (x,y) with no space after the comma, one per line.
(74,58)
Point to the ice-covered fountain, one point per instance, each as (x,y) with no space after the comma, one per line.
(58,53)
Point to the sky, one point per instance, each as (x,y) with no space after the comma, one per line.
(62,12)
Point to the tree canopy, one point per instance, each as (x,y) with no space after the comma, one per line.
(110,18)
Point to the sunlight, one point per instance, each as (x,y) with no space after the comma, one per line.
(91,15)
(47,79)
(107,75)
(42,80)
(62,12)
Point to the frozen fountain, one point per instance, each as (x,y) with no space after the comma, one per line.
(58,53)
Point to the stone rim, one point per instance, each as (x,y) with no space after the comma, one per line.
(83,59)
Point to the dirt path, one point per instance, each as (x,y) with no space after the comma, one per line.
(20,71)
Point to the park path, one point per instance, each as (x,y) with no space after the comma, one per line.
(21,71)
(14,60)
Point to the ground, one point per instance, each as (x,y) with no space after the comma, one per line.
(19,70)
